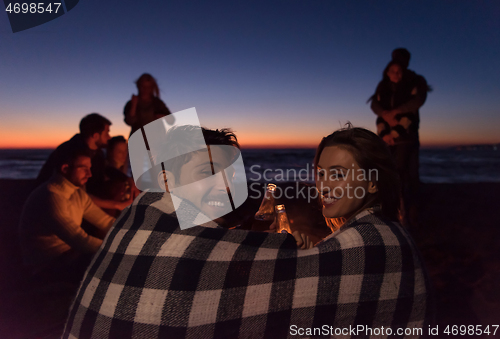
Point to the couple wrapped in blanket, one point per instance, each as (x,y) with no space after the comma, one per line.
(152,278)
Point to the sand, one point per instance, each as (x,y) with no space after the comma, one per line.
(458,236)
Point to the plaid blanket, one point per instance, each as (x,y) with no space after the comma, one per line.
(152,280)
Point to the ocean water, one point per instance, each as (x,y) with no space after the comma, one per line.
(280,165)
(22,163)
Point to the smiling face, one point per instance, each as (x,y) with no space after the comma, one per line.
(119,153)
(202,181)
(343,184)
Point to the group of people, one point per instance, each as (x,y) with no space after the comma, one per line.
(80,190)
(152,278)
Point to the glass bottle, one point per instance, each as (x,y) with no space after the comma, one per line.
(266,209)
(282,223)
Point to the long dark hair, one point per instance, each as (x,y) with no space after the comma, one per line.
(371,153)
(385,84)
(149,77)
(403,88)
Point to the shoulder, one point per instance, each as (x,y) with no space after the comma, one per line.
(149,211)
(127,106)
(99,156)
(369,229)
(39,195)
(383,86)
(76,141)
(158,101)
(159,104)
(62,148)
(414,78)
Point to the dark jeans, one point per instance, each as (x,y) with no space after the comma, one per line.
(407,163)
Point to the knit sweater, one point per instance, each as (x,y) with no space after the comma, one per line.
(51,221)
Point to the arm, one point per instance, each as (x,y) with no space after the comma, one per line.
(110,204)
(67,228)
(419,95)
(388,116)
(130,111)
(96,216)
(161,109)
(376,107)
(412,105)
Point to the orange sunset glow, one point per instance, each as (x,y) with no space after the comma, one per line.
(45,135)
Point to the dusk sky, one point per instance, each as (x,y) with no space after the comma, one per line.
(279,73)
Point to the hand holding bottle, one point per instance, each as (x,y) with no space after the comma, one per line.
(303,240)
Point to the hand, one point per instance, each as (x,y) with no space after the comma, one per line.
(303,240)
(133,105)
(390,117)
(134,191)
(273,227)
(124,204)
(392,121)
(396,111)
(134,100)
(388,139)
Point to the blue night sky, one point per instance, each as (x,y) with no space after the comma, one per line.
(280,73)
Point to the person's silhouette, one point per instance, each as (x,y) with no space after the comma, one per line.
(396,102)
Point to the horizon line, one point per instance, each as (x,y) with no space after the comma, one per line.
(423,146)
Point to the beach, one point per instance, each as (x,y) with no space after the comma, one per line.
(458,236)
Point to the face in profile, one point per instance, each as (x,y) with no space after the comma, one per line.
(395,73)
(205,181)
(343,184)
(78,172)
(103,137)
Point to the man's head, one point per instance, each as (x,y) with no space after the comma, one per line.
(76,166)
(94,129)
(198,167)
(402,57)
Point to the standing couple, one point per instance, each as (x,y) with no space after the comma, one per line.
(152,279)
(396,102)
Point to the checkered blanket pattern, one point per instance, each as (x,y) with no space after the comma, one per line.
(152,280)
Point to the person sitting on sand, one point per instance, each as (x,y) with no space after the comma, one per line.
(152,278)
(52,238)
(117,153)
(94,135)
(118,185)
